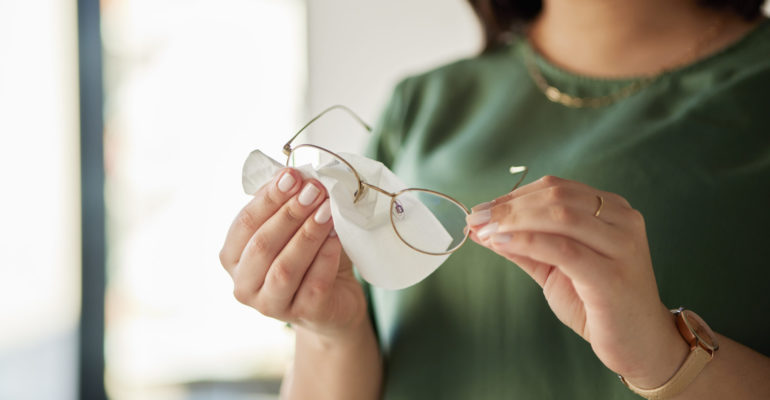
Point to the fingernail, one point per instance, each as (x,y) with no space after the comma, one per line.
(487,230)
(333,233)
(501,238)
(323,214)
(483,206)
(286,182)
(308,195)
(479,218)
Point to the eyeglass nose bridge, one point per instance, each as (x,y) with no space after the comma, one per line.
(359,193)
(363,186)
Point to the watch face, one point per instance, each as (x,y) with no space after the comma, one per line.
(702,332)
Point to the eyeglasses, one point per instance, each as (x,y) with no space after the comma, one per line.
(427,221)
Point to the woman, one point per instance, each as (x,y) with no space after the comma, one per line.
(683,141)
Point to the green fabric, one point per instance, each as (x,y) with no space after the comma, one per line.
(691,152)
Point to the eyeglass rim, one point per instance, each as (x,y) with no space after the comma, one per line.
(445,196)
(363,184)
(288,150)
(359,191)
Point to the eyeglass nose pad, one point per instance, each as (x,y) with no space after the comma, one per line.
(359,193)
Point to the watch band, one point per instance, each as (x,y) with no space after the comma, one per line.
(703,344)
(695,362)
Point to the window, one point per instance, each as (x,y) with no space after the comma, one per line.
(192,88)
(40,204)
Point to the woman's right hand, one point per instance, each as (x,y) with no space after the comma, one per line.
(287,262)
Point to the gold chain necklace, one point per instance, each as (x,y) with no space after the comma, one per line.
(555,95)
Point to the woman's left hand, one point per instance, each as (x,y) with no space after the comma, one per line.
(595,271)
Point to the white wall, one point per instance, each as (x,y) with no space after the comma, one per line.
(359,49)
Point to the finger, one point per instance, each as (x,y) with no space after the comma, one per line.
(289,267)
(580,263)
(559,219)
(315,290)
(586,202)
(263,247)
(546,182)
(268,199)
(538,271)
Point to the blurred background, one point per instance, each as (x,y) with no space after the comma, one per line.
(123,128)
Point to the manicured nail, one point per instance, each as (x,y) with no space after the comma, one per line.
(487,230)
(502,238)
(333,233)
(479,218)
(483,206)
(308,195)
(323,214)
(286,182)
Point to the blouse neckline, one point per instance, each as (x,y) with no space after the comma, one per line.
(559,74)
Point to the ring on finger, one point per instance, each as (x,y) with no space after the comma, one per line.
(601,205)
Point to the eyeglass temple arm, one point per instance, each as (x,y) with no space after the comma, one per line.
(287,146)
(520,169)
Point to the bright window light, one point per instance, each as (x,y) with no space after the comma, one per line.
(192,88)
(39,200)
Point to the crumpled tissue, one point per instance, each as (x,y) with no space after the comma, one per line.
(364,228)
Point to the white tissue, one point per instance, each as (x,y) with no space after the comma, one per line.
(364,228)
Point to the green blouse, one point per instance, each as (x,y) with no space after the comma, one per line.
(691,152)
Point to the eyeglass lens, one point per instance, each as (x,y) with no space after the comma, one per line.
(428,222)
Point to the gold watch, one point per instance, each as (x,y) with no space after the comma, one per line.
(703,345)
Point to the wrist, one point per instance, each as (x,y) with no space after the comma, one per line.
(358,332)
(336,363)
(668,352)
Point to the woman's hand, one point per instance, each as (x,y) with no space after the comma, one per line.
(287,262)
(595,271)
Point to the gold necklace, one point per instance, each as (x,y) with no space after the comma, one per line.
(555,95)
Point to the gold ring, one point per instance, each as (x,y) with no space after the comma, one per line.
(601,205)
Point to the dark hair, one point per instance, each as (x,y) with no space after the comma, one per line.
(500,18)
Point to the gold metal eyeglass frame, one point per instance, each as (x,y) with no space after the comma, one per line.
(288,150)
